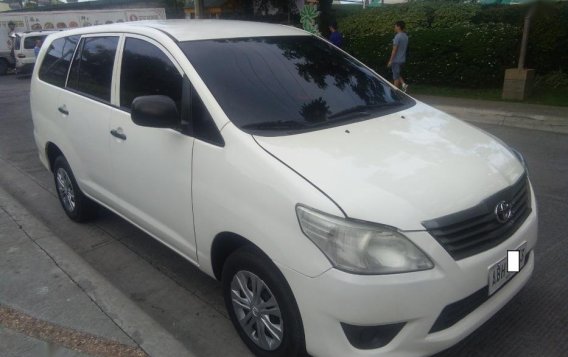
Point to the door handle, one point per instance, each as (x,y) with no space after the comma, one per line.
(117,134)
(63,109)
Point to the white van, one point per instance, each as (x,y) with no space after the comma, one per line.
(24,45)
(343,217)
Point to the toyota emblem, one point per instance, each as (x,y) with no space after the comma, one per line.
(503,211)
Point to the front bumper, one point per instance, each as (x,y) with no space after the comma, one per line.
(417,299)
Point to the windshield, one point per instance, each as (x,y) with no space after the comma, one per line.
(279,85)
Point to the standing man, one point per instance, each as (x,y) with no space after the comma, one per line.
(398,55)
(335,36)
(11,43)
(37,47)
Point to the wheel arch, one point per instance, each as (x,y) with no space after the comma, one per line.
(224,244)
(52,151)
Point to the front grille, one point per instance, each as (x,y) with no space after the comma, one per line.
(477,229)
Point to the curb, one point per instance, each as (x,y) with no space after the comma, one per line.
(517,115)
(517,120)
(144,330)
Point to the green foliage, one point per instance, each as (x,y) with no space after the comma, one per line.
(512,15)
(452,14)
(381,20)
(460,44)
(308,16)
(548,39)
(555,80)
(341,11)
(464,55)
(416,15)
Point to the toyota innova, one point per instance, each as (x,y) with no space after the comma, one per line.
(343,217)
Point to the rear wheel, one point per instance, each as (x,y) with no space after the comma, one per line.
(75,204)
(261,305)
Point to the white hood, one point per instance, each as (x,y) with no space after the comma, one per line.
(402,168)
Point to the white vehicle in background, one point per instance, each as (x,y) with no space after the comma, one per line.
(24,46)
(12,23)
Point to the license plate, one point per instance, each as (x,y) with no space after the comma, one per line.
(498,274)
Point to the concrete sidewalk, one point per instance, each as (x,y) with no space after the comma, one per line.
(519,115)
(52,303)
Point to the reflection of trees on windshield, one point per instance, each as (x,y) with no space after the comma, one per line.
(318,63)
(288,79)
(315,111)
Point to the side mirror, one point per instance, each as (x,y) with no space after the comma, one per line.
(155,111)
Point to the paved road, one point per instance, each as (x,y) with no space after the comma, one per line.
(189,305)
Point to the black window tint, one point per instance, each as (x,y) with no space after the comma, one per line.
(30,42)
(56,61)
(146,70)
(91,72)
(74,71)
(204,127)
(289,83)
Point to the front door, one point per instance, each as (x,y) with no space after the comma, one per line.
(152,166)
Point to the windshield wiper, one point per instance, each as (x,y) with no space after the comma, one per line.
(275,125)
(362,110)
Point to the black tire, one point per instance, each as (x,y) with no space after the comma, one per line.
(82,208)
(249,259)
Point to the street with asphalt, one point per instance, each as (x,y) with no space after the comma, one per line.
(107,289)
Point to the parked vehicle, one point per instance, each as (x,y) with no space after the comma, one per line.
(14,22)
(343,217)
(24,46)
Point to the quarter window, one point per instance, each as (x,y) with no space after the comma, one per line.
(56,61)
(91,71)
(30,42)
(146,70)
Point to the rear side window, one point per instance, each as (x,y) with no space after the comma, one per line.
(91,70)
(30,42)
(56,61)
(17,42)
(146,70)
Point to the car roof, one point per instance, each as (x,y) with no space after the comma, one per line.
(193,30)
(36,33)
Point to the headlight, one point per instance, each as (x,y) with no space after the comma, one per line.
(361,248)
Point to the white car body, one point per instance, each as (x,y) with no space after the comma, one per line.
(24,49)
(399,170)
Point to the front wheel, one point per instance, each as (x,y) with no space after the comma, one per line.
(261,305)
(76,205)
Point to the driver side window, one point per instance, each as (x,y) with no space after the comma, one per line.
(146,70)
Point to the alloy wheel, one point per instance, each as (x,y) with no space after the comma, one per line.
(65,189)
(257,310)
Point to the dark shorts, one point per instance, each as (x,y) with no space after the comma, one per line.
(396,69)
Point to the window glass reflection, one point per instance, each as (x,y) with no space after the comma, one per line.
(146,70)
(291,82)
(57,59)
(91,71)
